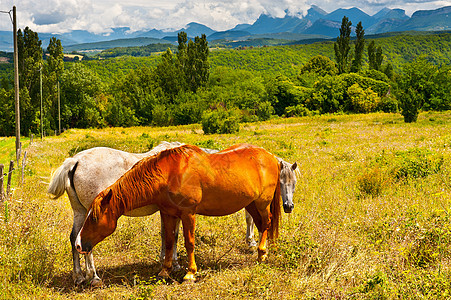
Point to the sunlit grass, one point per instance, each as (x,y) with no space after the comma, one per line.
(358,231)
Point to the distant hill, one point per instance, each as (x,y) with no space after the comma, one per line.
(142,41)
(429,20)
(316,24)
(324,27)
(354,15)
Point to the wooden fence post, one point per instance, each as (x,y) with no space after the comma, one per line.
(23,165)
(1,183)
(10,173)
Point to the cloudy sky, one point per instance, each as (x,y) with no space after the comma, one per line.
(98,16)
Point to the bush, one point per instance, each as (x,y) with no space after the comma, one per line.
(264,111)
(371,183)
(416,163)
(161,116)
(360,100)
(297,111)
(188,109)
(388,104)
(221,121)
(410,102)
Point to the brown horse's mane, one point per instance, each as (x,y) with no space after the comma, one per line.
(140,183)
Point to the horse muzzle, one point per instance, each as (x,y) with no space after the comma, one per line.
(288,208)
(82,248)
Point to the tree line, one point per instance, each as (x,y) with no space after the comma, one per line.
(181,87)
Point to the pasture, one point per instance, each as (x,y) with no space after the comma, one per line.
(371,217)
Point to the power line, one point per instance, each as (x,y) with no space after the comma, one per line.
(9,13)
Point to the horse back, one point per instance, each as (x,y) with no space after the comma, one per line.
(231,179)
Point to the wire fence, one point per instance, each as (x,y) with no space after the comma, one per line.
(4,195)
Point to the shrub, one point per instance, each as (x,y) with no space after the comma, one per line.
(188,109)
(410,102)
(264,110)
(388,104)
(160,115)
(220,121)
(371,183)
(297,111)
(416,163)
(360,100)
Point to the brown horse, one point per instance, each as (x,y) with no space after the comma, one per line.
(186,181)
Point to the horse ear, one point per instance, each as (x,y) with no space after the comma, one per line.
(106,199)
(294,166)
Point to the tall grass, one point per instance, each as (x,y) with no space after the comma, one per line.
(371,218)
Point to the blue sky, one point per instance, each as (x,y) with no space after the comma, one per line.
(99,16)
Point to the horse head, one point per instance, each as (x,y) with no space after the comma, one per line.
(100,222)
(287,184)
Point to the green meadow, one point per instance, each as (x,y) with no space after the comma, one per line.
(371,217)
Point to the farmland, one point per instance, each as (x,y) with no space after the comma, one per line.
(371,217)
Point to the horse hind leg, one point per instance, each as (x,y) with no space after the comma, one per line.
(265,224)
(169,229)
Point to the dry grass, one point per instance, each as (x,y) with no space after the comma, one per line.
(357,231)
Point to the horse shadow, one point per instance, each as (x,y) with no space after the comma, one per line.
(133,274)
(127,275)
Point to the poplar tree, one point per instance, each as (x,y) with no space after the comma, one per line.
(359,48)
(375,56)
(341,46)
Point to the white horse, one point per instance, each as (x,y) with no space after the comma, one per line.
(89,172)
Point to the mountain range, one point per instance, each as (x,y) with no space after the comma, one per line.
(316,24)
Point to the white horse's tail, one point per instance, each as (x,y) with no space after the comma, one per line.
(61,179)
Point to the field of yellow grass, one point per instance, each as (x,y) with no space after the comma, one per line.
(371,217)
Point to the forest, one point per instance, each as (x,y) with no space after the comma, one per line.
(192,83)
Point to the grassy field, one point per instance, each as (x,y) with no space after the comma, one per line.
(371,218)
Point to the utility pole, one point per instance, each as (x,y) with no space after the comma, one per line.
(59,109)
(16,85)
(40,78)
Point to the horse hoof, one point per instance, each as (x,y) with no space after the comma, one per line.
(96,282)
(252,244)
(78,279)
(175,266)
(164,273)
(262,258)
(189,277)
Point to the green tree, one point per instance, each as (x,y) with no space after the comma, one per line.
(30,64)
(359,48)
(81,91)
(415,87)
(375,56)
(320,65)
(134,98)
(53,69)
(169,77)
(192,59)
(342,47)
(7,113)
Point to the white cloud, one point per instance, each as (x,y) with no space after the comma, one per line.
(99,16)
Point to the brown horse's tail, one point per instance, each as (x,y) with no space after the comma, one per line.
(275,212)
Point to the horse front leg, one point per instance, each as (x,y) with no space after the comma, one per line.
(189,226)
(169,235)
(175,263)
(91,275)
(77,273)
